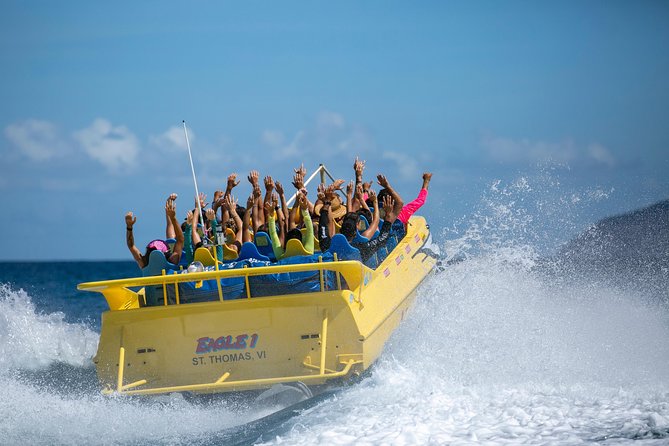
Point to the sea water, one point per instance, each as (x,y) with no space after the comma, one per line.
(495,351)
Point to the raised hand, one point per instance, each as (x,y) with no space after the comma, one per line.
(269,183)
(203,200)
(253,177)
(349,188)
(231,204)
(279,188)
(374,198)
(189,218)
(367,186)
(171,209)
(217,202)
(172,196)
(338,184)
(388,206)
(330,193)
(358,166)
(211,214)
(130,220)
(249,202)
(383,181)
(301,170)
(232,181)
(427,176)
(298,180)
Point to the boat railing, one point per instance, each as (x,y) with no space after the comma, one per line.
(123,294)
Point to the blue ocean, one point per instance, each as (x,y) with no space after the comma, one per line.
(505,345)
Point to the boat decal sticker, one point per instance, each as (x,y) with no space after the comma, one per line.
(386,272)
(226,343)
(239,342)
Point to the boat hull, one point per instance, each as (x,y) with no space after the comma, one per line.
(253,343)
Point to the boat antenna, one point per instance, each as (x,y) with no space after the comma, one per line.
(190,156)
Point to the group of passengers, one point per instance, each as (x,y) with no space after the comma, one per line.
(365,218)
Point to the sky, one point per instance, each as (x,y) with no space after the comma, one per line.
(563,104)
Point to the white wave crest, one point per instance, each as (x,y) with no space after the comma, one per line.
(29,340)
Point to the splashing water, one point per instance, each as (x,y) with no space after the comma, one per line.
(494,352)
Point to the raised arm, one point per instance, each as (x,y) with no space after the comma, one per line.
(130,221)
(376,217)
(349,197)
(197,240)
(269,190)
(246,220)
(358,168)
(171,212)
(231,184)
(397,200)
(276,243)
(169,226)
(231,204)
(258,214)
(284,210)
(304,209)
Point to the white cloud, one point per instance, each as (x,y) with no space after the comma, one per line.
(114,147)
(328,135)
(173,139)
(36,139)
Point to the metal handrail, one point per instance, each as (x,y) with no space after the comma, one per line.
(345,267)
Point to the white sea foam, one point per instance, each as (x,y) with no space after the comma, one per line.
(30,340)
(493,354)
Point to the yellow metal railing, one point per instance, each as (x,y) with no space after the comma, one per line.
(119,295)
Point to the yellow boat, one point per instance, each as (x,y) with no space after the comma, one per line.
(334,331)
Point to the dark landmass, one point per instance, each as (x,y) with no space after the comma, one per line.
(629,251)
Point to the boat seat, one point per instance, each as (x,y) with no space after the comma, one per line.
(264,245)
(359,238)
(153,294)
(203,255)
(294,247)
(293,282)
(340,246)
(230,236)
(229,253)
(250,251)
(158,263)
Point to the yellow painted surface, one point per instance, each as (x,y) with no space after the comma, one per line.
(253,343)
